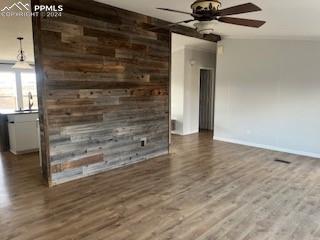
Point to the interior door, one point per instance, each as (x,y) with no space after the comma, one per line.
(206,100)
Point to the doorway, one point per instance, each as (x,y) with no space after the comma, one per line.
(19,127)
(206,101)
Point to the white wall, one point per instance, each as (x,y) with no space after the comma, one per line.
(267,94)
(201,59)
(12,27)
(177,88)
(185,80)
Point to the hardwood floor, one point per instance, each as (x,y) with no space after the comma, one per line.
(203,190)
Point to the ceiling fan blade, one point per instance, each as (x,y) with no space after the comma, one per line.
(242,22)
(186,21)
(176,11)
(243,8)
(167,27)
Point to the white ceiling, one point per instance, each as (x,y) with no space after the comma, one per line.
(288,19)
(10,29)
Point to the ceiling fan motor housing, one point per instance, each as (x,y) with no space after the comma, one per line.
(201,6)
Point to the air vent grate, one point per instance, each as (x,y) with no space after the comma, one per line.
(282,161)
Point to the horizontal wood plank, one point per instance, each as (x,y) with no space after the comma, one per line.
(79,163)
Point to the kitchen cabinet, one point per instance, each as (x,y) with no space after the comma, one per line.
(23,133)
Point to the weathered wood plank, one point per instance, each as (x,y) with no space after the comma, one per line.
(75,164)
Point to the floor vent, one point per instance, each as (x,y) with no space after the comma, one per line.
(282,161)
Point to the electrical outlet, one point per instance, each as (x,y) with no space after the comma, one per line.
(143,142)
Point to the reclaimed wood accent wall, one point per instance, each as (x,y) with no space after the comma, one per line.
(104,82)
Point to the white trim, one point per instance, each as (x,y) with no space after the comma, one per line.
(269,147)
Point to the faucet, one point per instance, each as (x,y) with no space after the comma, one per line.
(30,100)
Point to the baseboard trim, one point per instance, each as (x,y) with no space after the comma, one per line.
(184,134)
(24,152)
(269,147)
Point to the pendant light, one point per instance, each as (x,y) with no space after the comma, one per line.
(21,63)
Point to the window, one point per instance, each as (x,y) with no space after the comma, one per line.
(8,90)
(29,86)
(15,87)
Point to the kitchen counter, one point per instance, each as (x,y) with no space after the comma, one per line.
(23,125)
(14,112)
(23,133)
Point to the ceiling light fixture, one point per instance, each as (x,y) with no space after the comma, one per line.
(205,27)
(21,63)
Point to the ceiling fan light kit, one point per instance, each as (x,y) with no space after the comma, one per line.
(206,12)
(205,27)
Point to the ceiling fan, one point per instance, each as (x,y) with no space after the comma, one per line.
(205,12)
